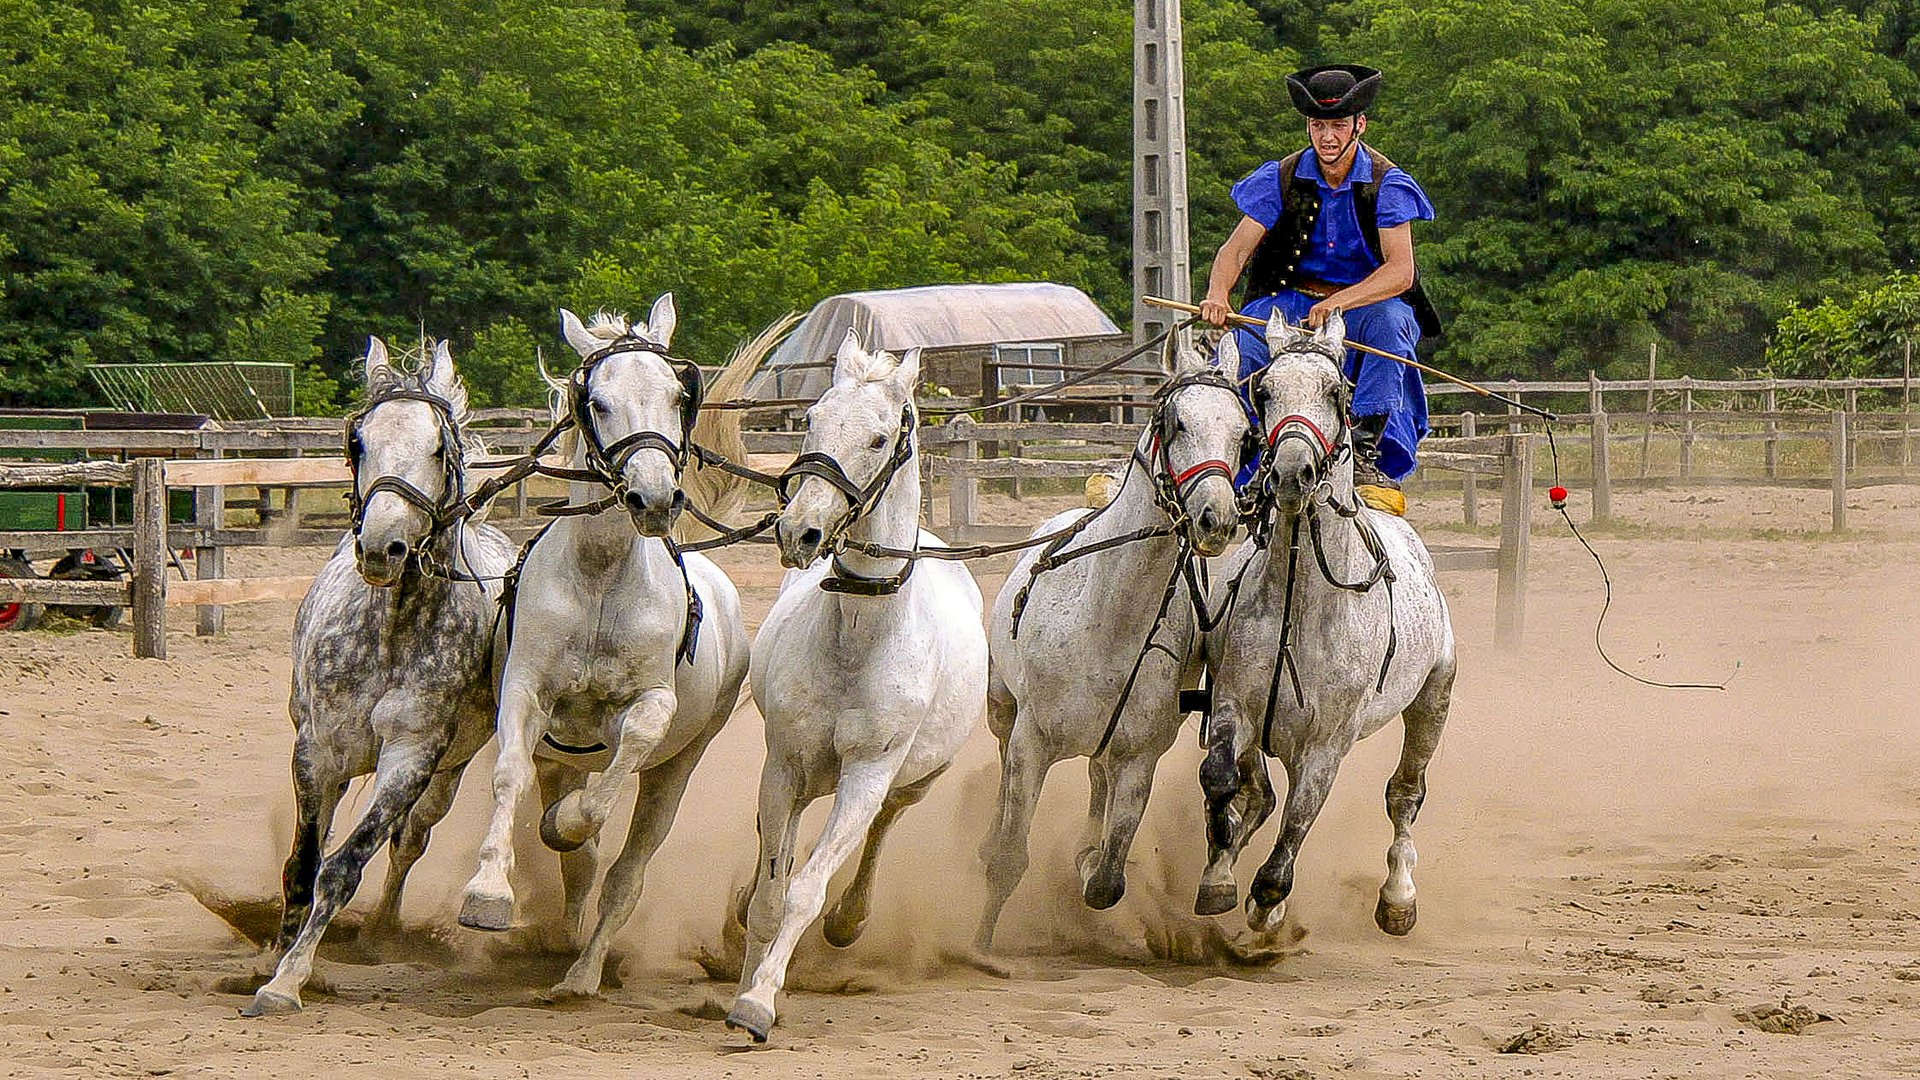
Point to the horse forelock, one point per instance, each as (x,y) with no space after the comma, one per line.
(610,326)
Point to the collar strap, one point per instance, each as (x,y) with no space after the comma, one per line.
(849,583)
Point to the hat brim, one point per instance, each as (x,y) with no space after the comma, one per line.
(1358,98)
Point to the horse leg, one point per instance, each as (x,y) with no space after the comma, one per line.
(488,904)
(849,914)
(316,793)
(1308,782)
(1002,711)
(777,822)
(1232,815)
(1131,781)
(1024,771)
(403,774)
(863,788)
(661,789)
(409,843)
(1424,719)
(578,816)
(577,867)
(1099,812)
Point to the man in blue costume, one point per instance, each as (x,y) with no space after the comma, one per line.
(1329,228)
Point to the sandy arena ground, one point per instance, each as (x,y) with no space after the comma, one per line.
(1611,876)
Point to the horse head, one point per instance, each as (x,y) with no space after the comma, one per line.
(406,451)
(1198,441)
(629,397)
(859,434)
(1305,406)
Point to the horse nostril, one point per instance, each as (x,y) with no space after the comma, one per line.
(812,537)
(1209,520)
(679,498)
(396,550)
(1306,477)
(634,502)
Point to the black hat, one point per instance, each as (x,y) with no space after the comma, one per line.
(1333,91)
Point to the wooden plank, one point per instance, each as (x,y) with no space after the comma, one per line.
(65,475)
(1465,558)
(149,558)
(275,471)
(1465,463)
(961,490)
(238,590)
(210,562)
(99,441)
(1028,468)
(45,591)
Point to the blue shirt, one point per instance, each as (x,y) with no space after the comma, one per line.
(1338,253)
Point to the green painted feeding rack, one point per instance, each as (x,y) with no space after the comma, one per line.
(225,390)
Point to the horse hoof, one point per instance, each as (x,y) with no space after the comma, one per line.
(1102,893)
(482,912)
(842,931)
(271,1003)
(751,1017)
(550,830)
(1262,919)
(1216,899)
(1394,919)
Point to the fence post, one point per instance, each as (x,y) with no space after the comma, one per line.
(961,489)
(149,558)
(210,560)
(1470,487)
(1516,526)
(1906,409)
(1853,443)
(1686,428)
(1839,451)
(1646,430)
(1772,404)
(1602,470)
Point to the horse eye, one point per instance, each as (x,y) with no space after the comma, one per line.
(879,442)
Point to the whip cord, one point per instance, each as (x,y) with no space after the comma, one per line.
(1606,581)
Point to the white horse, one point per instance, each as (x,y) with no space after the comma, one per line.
(391,658)
(1338,626)
(870,671)
(1088,657)
(621,655)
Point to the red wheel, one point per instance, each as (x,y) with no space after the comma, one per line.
(18,615)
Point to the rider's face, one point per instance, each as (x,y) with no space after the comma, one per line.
(1333,138)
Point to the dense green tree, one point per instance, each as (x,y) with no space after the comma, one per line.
(1859,336)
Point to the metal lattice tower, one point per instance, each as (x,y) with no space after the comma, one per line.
(1162,265)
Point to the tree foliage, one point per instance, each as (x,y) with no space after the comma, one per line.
(276,179)
(1865,335)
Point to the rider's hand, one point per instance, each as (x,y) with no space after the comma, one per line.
(1215,311)
(1318,314)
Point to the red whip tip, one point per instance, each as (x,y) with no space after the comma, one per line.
(1558,495)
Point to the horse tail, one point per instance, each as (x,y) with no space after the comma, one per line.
(715,492)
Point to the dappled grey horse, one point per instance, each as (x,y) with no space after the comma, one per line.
(622,656)
(1336,626)
(391,671)
(1088,656)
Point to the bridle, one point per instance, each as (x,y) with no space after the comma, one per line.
(606,463)
(1170,486)
(861,499)
(442,513)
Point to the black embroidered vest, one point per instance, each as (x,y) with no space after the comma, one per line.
(1275,264)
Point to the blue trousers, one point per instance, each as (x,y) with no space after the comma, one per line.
(1380,386)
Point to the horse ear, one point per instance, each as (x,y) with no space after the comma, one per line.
(662,319)
(1227,356)
(850,360)
(438,378)
(1281,334)
(1334,330)
(576,333)
(905,378)
(377,363)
